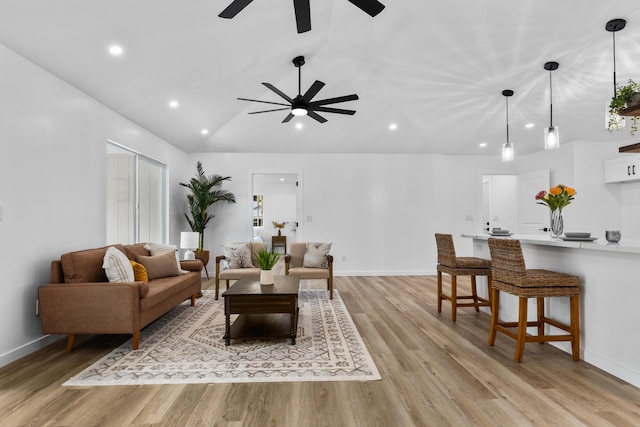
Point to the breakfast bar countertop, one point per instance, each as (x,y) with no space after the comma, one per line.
(624,246)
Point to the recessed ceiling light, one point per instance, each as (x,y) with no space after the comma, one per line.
(115,50)
(299,126)
(281,179)
(204,131)
(483,144)
(173,104)
(393,126)
(529,125)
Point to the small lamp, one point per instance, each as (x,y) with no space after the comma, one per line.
(189,241)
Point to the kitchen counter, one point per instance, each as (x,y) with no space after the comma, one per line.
(625,246)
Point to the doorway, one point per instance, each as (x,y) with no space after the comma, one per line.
(275,207)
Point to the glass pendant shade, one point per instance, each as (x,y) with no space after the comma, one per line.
(507,152)
(613,121)
(551,138)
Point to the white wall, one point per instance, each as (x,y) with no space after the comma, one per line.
(380,211)
(52,186)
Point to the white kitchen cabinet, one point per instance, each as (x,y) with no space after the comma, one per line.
(623,169)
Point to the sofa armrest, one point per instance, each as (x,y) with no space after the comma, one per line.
(98,307)
(191,265)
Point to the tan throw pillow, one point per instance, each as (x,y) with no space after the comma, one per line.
(238,255)
(159,266)
(117,266)
(139,272)
(315,255)
(159,249)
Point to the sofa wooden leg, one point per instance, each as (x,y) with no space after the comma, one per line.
(70,342)
(193,300)
(135,340)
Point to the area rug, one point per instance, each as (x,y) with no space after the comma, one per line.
(186,346)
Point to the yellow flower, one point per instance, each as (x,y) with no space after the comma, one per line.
(555,190)
(571,191)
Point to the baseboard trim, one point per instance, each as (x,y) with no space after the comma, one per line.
(28,348)
(385,273)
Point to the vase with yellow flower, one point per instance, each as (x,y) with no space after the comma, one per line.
(557,198)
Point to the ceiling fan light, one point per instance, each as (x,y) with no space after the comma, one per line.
(507,152)
(299,111)
(551,138)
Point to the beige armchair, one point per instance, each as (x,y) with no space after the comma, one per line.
(238,273)
(294,261)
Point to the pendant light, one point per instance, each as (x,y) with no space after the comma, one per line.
(507,148)
(613,26)
(551,133)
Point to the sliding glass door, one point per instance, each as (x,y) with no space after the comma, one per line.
(136,202)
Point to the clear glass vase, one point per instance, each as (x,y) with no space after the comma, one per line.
(557,224)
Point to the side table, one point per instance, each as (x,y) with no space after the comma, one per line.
(279,242)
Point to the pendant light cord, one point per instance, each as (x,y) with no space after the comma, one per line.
(550,101)
(614,64)
(506,100)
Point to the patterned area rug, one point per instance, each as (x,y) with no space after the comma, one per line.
(186,346)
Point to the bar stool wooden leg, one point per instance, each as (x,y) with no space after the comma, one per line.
(454,297)
(495,303)
(575,326)
(474,293)
(541,318)
(522,329)
(439,291)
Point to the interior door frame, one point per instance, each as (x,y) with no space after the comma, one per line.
(299,199)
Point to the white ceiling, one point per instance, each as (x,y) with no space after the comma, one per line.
(437,69)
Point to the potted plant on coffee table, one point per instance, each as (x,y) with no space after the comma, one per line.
(205,191)
(266,260)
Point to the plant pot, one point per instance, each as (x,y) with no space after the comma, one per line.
(634,100)
(203,256)
(266,277)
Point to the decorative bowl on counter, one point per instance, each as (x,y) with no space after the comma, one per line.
(577,235)
(499,231)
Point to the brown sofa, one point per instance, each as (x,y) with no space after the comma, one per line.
(81,300)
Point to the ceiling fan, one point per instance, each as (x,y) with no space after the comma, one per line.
(302,105)
(303,13)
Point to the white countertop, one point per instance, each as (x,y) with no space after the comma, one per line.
(598,245)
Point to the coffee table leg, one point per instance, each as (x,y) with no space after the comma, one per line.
(227,330)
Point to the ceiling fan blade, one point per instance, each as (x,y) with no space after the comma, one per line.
(289,117)
(234,8)
(334,110)
(371,7)
(316,116)
(312,91)
(264,102)
(268,111)
(303,15)
(278,91)
(333,100)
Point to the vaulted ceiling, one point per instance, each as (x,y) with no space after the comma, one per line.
(435,69)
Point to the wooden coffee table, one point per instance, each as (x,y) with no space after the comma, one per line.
(261,309)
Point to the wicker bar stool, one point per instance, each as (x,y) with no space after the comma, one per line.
(455,266)
(510,275)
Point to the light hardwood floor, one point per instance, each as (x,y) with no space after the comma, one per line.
(434,373)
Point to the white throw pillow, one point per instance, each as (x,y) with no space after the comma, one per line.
(315,255)
(160,249)
(117,266)
(238,255)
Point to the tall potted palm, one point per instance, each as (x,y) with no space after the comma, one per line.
(205,191)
